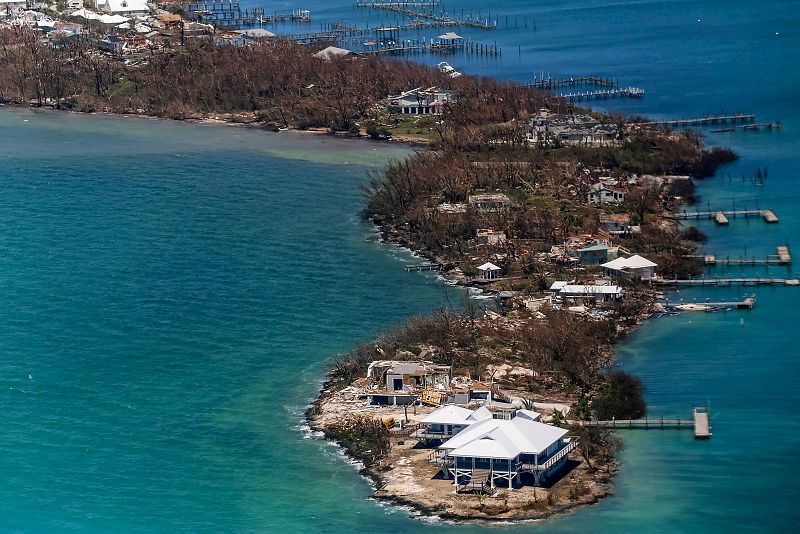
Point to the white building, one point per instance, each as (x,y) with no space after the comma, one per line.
(504,450)
(600,194)
(124,7)
(636,266)
(489,271)
(449,420)
(590,292)
(419,101)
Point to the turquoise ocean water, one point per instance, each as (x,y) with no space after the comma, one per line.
(171,292)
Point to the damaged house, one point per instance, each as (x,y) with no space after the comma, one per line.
(403,382)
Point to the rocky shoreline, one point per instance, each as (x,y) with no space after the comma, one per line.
(396,481)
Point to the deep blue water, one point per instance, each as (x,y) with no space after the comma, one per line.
(171,293)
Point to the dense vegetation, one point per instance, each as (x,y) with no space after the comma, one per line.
(564,351)
(621,397)
(276,82)
(365,438)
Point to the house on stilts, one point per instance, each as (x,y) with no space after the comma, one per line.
(493,452)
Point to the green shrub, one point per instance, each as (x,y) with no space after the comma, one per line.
(621,397)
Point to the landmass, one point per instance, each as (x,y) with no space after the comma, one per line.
(559,214)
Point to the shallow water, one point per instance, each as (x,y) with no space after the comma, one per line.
(171,293)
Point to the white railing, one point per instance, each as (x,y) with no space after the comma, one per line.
(550,462)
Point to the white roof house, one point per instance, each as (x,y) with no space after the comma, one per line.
(421,101)
(635,265)
(124,7)
(489,271)
(601,194)
(456,415)
(506,449)
(516,436)
(448,421)
(589,289)
(558,284)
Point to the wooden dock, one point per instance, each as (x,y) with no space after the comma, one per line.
(782,256)
(639,423)
(548,84)
(699,423)
(724,282)
(630,92)
(425,267)
(702,121)
(747,303)
(702,427)
(421,45)
(721,217)
(751,127)
(379,4)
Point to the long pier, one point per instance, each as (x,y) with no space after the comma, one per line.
(425,267)
(699,423)
(782,256)
(631,92)
(228,13)
(702,121)
(406,8)
(315,38)
(573,81)
(751,127)
(379,4)
(421,45)
(748,303)
(721,216)
(724,282)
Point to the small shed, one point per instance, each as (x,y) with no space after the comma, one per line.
(489,271)
(450,39)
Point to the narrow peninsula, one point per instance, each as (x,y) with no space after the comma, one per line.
(560,215)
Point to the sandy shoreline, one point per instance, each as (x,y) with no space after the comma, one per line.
(222,120)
